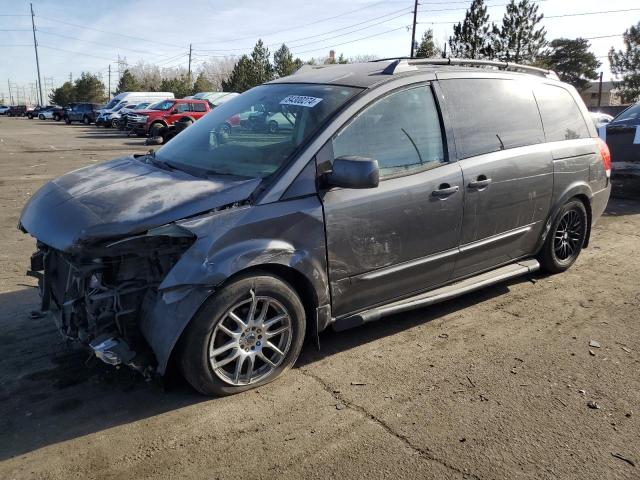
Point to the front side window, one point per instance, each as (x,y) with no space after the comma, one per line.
(490,115)
(163,105)
(561,116)
(401,131)
(256,133)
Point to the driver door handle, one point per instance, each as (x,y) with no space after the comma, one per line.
(445,190)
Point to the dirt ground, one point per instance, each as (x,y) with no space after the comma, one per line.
(492,385)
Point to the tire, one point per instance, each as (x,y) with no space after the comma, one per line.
(86,120)
(208,330)
(154,129)
(272,126)
(565,239)
(67,120)
(30,116)
(114,123)
(225,129)
(56,117)
(40,117)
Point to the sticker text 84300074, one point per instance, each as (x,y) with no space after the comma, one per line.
(300,101)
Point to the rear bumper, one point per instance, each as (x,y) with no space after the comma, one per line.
(599,203)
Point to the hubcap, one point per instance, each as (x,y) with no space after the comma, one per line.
(568,236)
(251,341)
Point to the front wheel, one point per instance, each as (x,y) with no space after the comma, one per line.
(565,239)
(247,334)
(56,118)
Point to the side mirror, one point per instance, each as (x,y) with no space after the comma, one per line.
(354,172)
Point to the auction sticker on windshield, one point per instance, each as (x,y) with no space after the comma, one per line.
(300,101)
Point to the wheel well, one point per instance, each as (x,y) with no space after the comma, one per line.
(587,206)
(296,280)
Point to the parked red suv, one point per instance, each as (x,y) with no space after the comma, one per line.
(165,113)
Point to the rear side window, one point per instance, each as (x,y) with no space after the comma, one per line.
(401,131)
(490,115)
(561,116)
(198,107)
(631,113)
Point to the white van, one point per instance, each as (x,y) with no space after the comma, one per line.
(215,98)
(126,98)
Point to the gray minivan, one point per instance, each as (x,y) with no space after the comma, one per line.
(400,183)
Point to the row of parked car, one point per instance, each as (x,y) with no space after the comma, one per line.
(139,113)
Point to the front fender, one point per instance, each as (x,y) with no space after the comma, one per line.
(288,234)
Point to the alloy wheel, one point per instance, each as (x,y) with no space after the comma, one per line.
(569,236)
(250,341)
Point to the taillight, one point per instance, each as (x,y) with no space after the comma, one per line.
(606,156)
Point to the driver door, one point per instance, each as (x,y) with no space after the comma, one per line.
(401,237)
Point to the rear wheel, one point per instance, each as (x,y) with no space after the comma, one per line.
(56,117)
(272,126)
(565,239)
(67,120)
(244,336)
(86,120)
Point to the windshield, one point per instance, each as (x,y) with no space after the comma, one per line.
(631,113)
(111,104)
(255,133)
(163,105)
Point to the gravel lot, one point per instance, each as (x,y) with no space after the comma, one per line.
(492,385)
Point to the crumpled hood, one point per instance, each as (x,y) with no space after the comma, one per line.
(122,197)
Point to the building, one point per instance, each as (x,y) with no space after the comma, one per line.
(609,95)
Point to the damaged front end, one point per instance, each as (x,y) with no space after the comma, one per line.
(97,294)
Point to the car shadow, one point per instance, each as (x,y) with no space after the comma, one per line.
(53,391)
(621,206)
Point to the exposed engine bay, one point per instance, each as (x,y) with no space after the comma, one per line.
(98,295)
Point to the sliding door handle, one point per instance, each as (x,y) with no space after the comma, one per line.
(480,183)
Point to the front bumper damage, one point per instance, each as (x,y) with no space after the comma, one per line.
(97,296)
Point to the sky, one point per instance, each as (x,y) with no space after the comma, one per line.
(89,35)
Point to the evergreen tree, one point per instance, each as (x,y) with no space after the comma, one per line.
(63,95)
(625,65)
(572,61)
(427,47)
(179,86)
(521,38)
(202,84)
(241,78)
(127,83)
(283,62)
(262,68)
(473,37)
(89,88)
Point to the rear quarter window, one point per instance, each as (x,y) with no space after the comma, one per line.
(198,107)
(490,115)
(561,116)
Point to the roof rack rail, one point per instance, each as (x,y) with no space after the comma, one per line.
(403,64)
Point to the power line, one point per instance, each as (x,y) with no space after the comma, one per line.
(353,41)
(303,25)
(96,43)
(274,44)
(554,16)
(110,33)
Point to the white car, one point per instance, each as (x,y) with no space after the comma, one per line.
(3,109)
(49,113)
(600,119)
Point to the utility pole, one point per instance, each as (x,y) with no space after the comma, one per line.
(190,49)
(70,77)
(35,46)
(600,92)
(10,95)
(413,32)
(109,87)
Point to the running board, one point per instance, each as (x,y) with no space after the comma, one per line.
(440,294)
